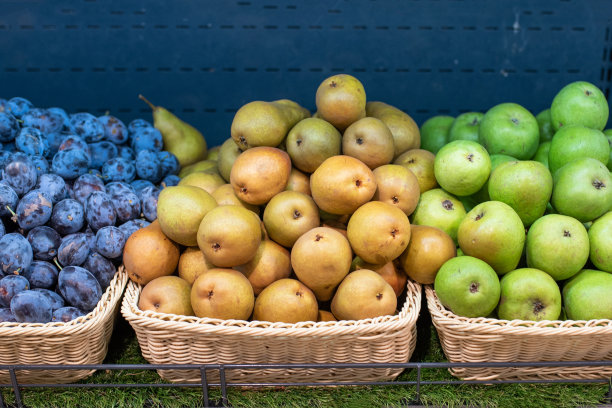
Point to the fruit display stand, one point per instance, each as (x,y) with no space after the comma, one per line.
(471,340)
(172,339)
(81,341)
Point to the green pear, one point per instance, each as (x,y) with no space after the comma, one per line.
(579,103)
(260,123)
(465,127)
(558,245)
(493,231)
(205,166)
(608,133)
(542,153)
(582,189)
(587,296)
(462,167)
(434,132)
(573,142)
(180,138)
(600,238)
(482,195)
(546,129)
(526,186)
(529,294)
(439,209)
(180,210)
(206,181)
(228,153)
(311,141)
(510,129)
(467,286)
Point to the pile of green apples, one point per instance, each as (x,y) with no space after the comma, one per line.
(528,201)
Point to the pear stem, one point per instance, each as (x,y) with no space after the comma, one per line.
(147,102)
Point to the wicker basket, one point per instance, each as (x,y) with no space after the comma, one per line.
(173,339)
(492,340)
(80,341)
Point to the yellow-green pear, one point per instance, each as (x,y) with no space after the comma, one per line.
(261,123)
(180,210)
(206,181)
(228,153)
(180,138)
(406,134)
(207,166)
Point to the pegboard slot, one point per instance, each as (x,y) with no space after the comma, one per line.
(337,27)
(226,27)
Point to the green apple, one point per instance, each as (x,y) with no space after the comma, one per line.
(582,189)
(529,294)
(482,195)
(462,167)
(465,127)
(558,245)
(608,133)
(587,296)
(493,231)
(573,142)
(439,209)
(542,153)
(600,238)
(526,186)
(467,286)
(579,103)
(434,132)
(546,129)
(510,129)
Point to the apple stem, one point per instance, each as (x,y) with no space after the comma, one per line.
(147,101)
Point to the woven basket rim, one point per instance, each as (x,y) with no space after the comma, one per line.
(443,316)
(406,316)
(105,306)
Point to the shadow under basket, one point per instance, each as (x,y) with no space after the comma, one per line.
(173,339)
(492,340)
(81,341)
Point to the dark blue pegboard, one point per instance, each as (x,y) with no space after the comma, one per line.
(204,59)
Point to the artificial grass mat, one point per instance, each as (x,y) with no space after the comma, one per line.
(124,349)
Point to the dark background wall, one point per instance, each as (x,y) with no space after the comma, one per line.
(204,59)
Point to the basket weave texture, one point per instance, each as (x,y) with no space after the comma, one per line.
(492,340)
(173,339)
(81,341)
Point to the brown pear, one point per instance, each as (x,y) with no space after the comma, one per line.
(225,195)
(428,249)
(321,258)
(341,100)
(229,235)
(208,182)
(299,182)
(390,273)
(167,294)
(325,316)
(342,184)
(398,186)
(363,294)
(260,123)
(271,263)
(378,232)
(287,301)
(228,153)
(149,254)
(222,294)
(370,141)
(406,134)
(288,215)
(192,264)
(421,164)
(260,173)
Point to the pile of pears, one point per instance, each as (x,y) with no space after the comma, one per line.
(295,217)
